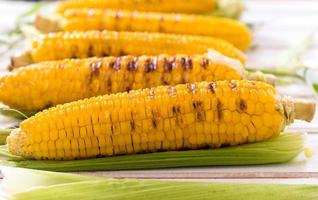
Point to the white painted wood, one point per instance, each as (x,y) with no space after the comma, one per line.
(286,22)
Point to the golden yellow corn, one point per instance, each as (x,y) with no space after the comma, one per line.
(119,20)
(55,46)
(188,116)
(50,83)
(182,6)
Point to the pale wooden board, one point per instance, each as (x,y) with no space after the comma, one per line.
(285,23)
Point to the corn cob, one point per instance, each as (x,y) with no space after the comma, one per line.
(188,116)
(55,46)
(182,6)
(50,81)
(83,19)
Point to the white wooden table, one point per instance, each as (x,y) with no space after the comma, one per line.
(284,23)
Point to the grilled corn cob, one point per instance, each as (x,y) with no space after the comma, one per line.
(83,19)
(62,45)
(54,82)
(182,6)
(188,116)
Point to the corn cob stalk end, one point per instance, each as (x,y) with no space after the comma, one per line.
(46,24)
(20,60)
(304,109)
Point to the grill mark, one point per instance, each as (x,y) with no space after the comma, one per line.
(169,65)
(232,85)
(212,87)
(133,64)
(200,116)
(176,110)
(186,63)
(117,64)
(132,125)
(154,122)
(150,65)
(205,63)
(111,64)
(192,88)
(243,105)
(197,105)
(95,67)
(219,110)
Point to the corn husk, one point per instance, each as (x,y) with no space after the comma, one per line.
(56,186)
(278,150)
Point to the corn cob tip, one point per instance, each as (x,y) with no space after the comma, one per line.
(300,109)
(304,109)
(16,141)
(260,76)
(46,24)
(20,60)
(229,8)
(227,61)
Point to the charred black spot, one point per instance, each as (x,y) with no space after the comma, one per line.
(150,65)
(117,64)
(212,87)
(219,109)
(132,65)
(132,125)
(169,65)
(197,105)
(176,110)
(205,63)
(192,87)
(190,62)
(95,67)
(154,123)
(243,105)
(183,62)
(111,65)
(200,116)
(232,85)
(109,82)
(186,63)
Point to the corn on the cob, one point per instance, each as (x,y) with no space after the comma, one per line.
(181,6)
(84,19)
(62,45)
(189,116)
(50,83)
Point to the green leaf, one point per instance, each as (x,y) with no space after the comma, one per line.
(56,186)
(278,150)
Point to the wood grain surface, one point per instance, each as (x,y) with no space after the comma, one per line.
(280,24)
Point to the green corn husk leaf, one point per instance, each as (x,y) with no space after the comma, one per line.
(4,133)
(16,114)
(278,150)
(55,186)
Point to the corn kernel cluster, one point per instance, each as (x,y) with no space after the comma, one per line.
(187,116)
(104,43)
(179,6)
(227,29)
(50,83)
